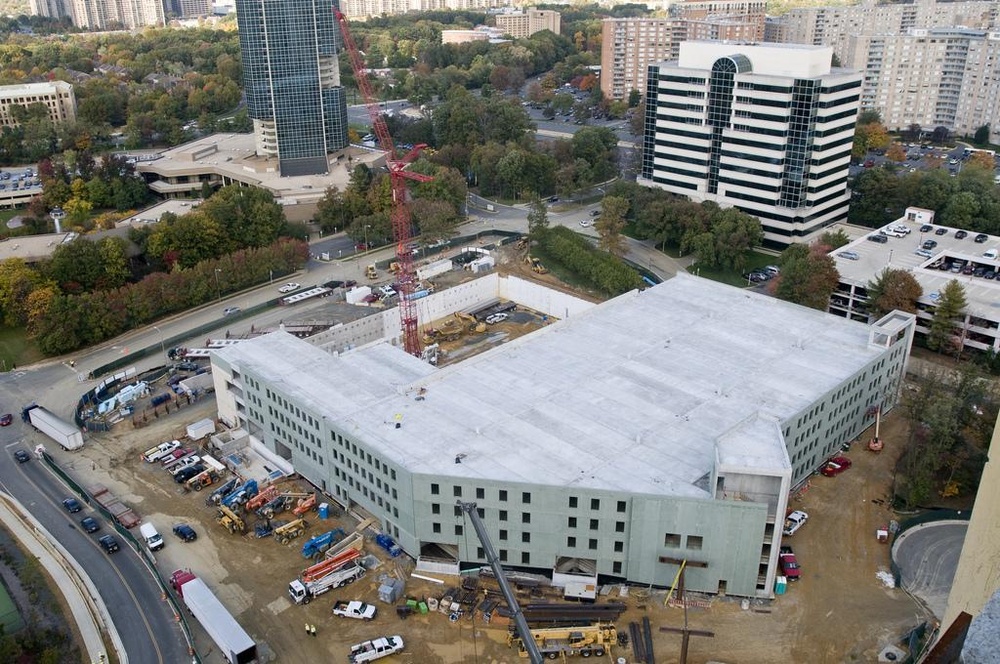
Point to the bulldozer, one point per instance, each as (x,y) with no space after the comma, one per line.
(230,521)
(286,533)
(536,265)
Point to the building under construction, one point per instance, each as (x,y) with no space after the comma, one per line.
(663,426)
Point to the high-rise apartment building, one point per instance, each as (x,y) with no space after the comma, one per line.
(764,128)
(116,14)
(630,45)
(291,79)
(56,96)
(834,26)
(524,24)
(365,8)
(938,77)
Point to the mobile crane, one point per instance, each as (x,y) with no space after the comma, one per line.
(520,623)
(401,231)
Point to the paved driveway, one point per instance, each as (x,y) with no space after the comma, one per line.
(927,556)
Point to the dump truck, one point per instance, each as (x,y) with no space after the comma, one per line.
(354,609)
(302,592)
(230,521)
(378,648)
(61,431)
(557,642)
(233,642)
(286,533)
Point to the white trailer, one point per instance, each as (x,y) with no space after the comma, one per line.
(58,430)
(200,429)
(432,270)
(234,643)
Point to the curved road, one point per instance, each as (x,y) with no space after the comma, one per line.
(927,556)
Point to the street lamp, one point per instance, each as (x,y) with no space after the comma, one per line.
(162,347)
(367,226)
(217,286)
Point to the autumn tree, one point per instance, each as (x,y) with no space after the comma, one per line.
(610,225)
(896,153)
(538,218)
(947,317)
(892,289)
(808,276)
(981,159)
(834,239)
(870,135)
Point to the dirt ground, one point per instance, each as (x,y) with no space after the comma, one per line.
(838,612)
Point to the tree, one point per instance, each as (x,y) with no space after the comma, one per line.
(834,239)
(637,121)
(610,225)
(896,153)
(808,276)
(982,160)
(330,212)
(950,308)
(893,289)
(869,136)
(538,218)
(634,97)
(982,136)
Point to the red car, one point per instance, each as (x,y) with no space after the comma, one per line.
(789,565)
(835,466)
(6,420)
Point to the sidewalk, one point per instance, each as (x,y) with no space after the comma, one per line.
(86,605)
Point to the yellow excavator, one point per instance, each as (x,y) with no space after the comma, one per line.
(473,324)
(536,265)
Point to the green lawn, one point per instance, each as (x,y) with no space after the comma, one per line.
(733,278)
(16,349)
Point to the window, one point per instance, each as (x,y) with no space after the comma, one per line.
(458,530)
(525,517)
(503,555)
(672,541)
(480,494)
(526,538)
(571,542)
(695,542)
(526,498)
(594,524)
(619,547)
(458,491)
(619,526)
(436,527)
(571,522)
(503,515)
(435,508)
(592,544)
(621,506)
(503,495)
(435,489)
(616,567)
(503,535)
(595,503)
(458,511)
(525,558)
(572,502)
(480,554)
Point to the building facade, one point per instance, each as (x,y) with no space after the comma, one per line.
(764,128)
(734,20)
(367,8)
(629,46)
(56,96)
(292,86)
(116,14)
(524,24)
(629,455)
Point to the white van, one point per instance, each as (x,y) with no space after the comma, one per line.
(991,254)
(150,536)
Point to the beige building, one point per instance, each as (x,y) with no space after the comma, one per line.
(735,20)
(116,14)
(465,36)
(629,46)
(834,26)
(57,96)
(938,77)
(524,24)
(366,8)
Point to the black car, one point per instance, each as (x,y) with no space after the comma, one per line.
(187,473)
(990,274)
(941,231)
(187,366)
(982,237)
(109,543)
(90,524)
(881,239)
(929,244)
(926,228)
(185,532)
(22,456)
(961,235)
(72,505)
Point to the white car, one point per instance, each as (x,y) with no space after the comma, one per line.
(794,521)
(387,291)
(289,287)
(496,318)
(586,223)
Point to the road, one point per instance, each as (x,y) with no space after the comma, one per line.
(144,622)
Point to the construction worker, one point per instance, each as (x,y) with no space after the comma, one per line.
(307,629)
(312,629)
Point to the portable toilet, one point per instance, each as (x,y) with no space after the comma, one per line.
(780,583)
(324,510)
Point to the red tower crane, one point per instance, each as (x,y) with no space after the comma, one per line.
(398,175)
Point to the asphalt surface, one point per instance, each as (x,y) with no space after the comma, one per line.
(927,556)
(143,620)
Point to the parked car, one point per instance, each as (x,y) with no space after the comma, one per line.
(941,231)
(929,244)
(923,252)
(835,466)
(289,287)
(185,532)
(187,366)
(6,420)
(926,228)
(789,565)
(90,524)
(595,213)
(229,311)
(961,235)
(109,543)
(982,237)
(22,456)
(553,199)
(72,505)
(794,521)
(881,239)
(586,223)
(184,474)
(849,255)
(493,319)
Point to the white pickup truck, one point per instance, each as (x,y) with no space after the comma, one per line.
(378,648)
(354,609)
(158,452)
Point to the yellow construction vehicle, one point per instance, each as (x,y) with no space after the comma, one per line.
(536,265)
(230,521)
(557,642)
(286,533)
(473,324)
(371,272)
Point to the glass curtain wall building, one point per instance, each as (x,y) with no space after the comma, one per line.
(764,128)
(291,79)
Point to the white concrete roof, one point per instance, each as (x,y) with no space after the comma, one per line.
(983,295)
(631,395)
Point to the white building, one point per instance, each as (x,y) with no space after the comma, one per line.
(765,128)
(56,96)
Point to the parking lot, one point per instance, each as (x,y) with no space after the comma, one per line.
(919,157)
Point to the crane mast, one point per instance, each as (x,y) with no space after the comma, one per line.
(398,175)
(520,623)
